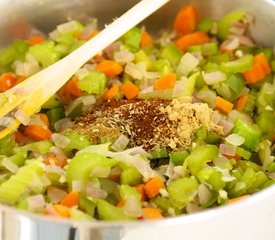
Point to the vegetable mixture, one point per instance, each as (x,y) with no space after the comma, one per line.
(147,129)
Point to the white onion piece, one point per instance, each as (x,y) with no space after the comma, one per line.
(82,73)
(36,120)
(121,143)
(227,125)
(226,175)
(235,139)
(134,71)
(204,194)
(88,100)
(88,30)
(244,40)
(54,35)
(60,140)
(192,208)
(230,44)
(223,194)
(45,181)
(227,149)
(54,169)
(63,124)
(6,121)
(132,207)
(76,186)
(152,75)
(143,167)
(36,202)
(112,48)
(31,59)
(58,152)
(22,117)
(214,77)
(249,18)
(36,185)
(89,66)
(94,190)
(238,28)
(9,165)
(67,27)
(124,56)
(187,64)
(234,115)
(55,195)
(101,172)
(163,192)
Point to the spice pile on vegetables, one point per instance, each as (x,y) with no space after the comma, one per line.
(147,129)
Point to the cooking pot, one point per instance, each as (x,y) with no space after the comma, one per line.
(252,218)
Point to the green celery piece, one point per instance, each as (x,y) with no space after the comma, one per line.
(273,65)
(82,164)
(266,97)
(95,82)
(141,56)
(207,49)
(12,189)
(77,141)
(62,49)
(187,64)
(44,53)
(163,203)
(261,179)
(161,94)
(132,38)
(109,186)
(18,159)
(251,133)
(53,102)
(108,212)
(268,183)
(198,158)
(182,191)
(22,204)
(78,215)
(172,54)
(240,65)
(75,45)
(211,67)
(220,58)
(226,22)
(158,153)
(201,133)
(14,52)
(74,27)
(127,192)
(77,111)
(163,66)
(6,145)
(177,158)
(213,139)
(224,90)
(243,153)
(236,84)
(86,205)
(130,176)
(40,146)
(212,177)
(206,25)
(187,86)
(266,121)
(250,103)
(271,167)
(54,115)
(268,52)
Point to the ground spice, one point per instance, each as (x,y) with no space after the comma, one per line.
(152,123)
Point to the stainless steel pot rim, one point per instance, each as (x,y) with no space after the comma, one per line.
(179,220)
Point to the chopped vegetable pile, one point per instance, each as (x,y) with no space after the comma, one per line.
(147,129)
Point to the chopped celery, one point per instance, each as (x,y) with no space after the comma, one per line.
(226,22)
(273,65)
(261,179)
(212,177)
(250,103)
(266,121)
(108,212)
(132,38)
(236,84)
(198,158)
(53,102)
(94,82)
(109,186)
(86,205)
(206,25)
(251,133)
(158,153)
(161,94)
(77,141)
(130,176)
(224,90)
(82,164)
(201,133)
(177,158)
(163,66)
(126,192)
(55,114)
(243,164)
(78,215)
(220,58)
(70,27)
(268,52)
(243,153)
(207,49)
(185,87)
(6,145)
(266,97)
(18,159)
(141,56)
(44,53)
(211,67)
(213,138)
(187,64)
(182,191)
(172,54)
(12,189)
(238,66)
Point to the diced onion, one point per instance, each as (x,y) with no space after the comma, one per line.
(60,140)
(235,139)
(101,172)
(192,208)
(22,117)
(36,120)
(226,175)
(36,202)
(76,186)
(6,121)
(230,44)
(227,125)
(112,48)
(214,77)
(187,64)
(204,193)
(132,207)
(94,190)
(55,195)
(124,56)
(54,169)
(234,115)
(9,165)
(121,143)
(63,124)
(82,73)
(67,27)
(227,149)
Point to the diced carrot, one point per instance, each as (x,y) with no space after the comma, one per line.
(236,156)
(240,104)
(191,39)
(186,20)
(20,79)
(151,213)
(81,36)
(70,90)
(37,132)
(70,200)
(109,68)
(129,90)
(44,119)
(140,189)
(121,203)
(273,136)
(61,210)
(223,105)
(20,138)
(111,92)
(51,160)
(7,81)
(260,69)
(166,81)
(92,34)
(36,40)
(237,199)
(146,39)
(153,186)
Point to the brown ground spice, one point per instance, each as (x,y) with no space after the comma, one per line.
(149,123)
